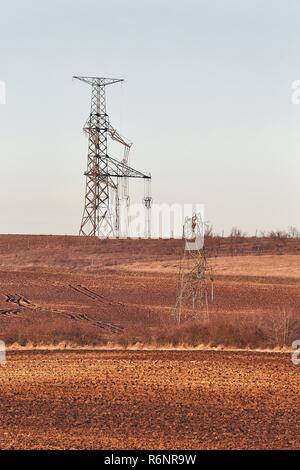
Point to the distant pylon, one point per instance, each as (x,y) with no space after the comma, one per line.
(148,206)
(101,208)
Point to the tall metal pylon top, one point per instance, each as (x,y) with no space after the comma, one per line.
(99,81)
(101,215)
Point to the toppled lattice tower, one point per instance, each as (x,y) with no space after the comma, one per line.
(195,277)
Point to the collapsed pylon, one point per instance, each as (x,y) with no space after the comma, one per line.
(195,275)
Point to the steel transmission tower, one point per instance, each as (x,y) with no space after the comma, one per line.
(194,275)
(101,215)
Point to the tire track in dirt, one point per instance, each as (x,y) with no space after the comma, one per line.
(26,304)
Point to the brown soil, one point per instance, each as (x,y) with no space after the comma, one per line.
(90,292)
(131,286)
(149,400)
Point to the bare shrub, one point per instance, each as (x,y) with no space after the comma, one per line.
(209,230)
(53,333)
(281,328)
(237,233)
(293,232)
(240,330)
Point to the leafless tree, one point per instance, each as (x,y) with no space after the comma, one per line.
(293,232)
(281,327)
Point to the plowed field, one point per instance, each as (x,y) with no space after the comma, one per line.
(149,400)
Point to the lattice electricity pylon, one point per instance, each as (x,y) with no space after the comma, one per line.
(148,205)
(101,215)
(192,301)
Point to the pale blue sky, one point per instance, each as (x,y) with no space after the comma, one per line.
(206,102)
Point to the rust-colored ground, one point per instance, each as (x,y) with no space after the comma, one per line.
(134,285)
(91,292)
(149,400)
